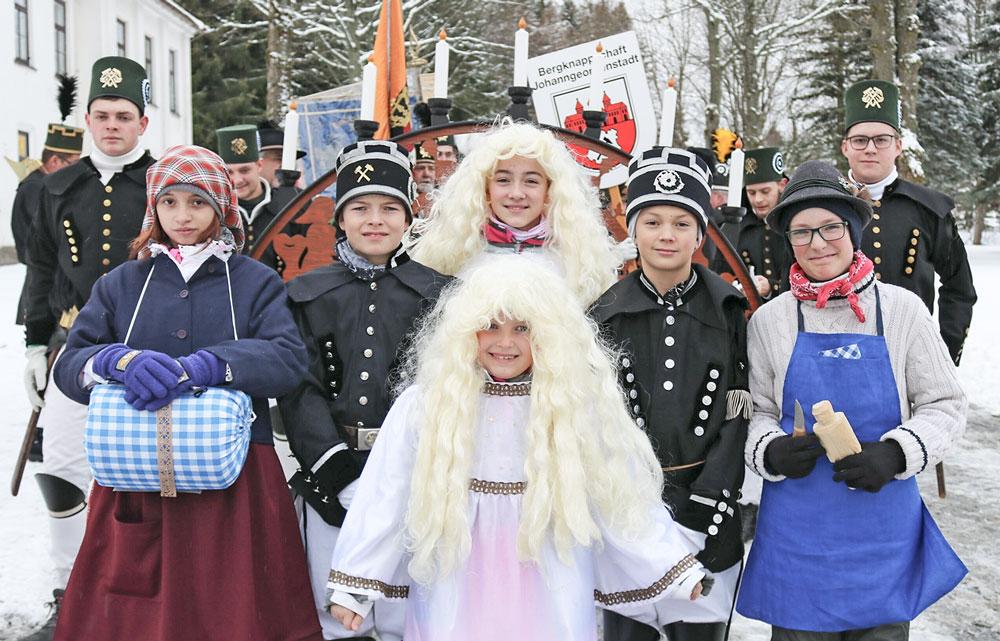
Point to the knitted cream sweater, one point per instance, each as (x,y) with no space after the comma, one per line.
(931,400)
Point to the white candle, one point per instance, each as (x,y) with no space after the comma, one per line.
(521,54)
(368,75)
(667,117)
(595,101)
(290,145)
(735,197)
(441,51)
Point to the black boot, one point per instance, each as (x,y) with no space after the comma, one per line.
(35,453)
(682,631)
(48,628)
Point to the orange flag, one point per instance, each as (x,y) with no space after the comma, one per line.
(392,100)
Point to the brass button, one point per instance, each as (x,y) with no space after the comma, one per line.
(767,272)
(910,259)
(878,275)
(75,258)
(107,202)
(916,232)
(74,249)
(876,217)
(908,270)
(106,217)
(71,240)
(69,232)
(878,260)
(877,245)
(767,260)
(108,189)
(105,262)
(913,241)
(106,246)
(106,232)
(877,203)
(912,251)
(65,223)
(875,230)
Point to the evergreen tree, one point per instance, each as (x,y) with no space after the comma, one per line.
(836,52)
(948,107)
(227,70)
(988,191)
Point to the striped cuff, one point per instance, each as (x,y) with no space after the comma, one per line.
(756,458)
(914,451)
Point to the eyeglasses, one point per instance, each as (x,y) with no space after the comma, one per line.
(882,141)
(829,233)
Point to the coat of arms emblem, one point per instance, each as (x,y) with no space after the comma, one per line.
(872,97)
(111,77)
(239,146)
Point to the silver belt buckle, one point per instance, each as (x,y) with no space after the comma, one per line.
(366,438)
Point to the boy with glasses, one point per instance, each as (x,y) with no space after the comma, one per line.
(913,234)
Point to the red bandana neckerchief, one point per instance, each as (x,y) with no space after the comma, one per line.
(499,233)
(804,289)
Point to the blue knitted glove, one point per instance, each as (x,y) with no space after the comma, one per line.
(152,375)
(204,368)
(151,406)
(106,361)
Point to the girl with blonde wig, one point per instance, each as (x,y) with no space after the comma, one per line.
(509,488)
(520,191)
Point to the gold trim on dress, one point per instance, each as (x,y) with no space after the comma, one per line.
(633,596)
(390,591)
(497,487)
(507,389)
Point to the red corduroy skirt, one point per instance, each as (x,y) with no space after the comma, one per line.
(217,566)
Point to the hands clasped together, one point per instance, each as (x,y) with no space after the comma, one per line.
(152,379)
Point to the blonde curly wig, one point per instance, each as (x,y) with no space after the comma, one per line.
(587,462)
(453,232)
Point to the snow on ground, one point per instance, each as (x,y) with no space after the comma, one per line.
(969,517)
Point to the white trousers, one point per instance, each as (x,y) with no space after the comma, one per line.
(386,618)
(62,448)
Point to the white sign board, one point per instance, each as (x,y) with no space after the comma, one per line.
(560,81)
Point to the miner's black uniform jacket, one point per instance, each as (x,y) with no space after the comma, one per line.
(354,330)
(911,236)
(257,217)
(82,231)
(681,366)
(764,250)
(22,216)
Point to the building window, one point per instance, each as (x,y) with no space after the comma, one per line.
(173,81)
(21,43)
(60,24)
(149,65)
(121,38)
(23,151)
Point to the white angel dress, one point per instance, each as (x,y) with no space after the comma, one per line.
(493,595)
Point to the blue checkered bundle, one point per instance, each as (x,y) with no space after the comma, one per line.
(211,437)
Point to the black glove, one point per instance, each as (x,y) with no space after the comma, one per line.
(320,488)
(793,457)
(873,467)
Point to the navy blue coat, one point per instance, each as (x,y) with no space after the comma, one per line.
(179,318)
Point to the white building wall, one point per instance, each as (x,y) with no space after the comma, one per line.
(91,33)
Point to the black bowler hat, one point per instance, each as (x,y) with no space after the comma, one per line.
(375,167)
(273,137)
(819,184)
(669,176)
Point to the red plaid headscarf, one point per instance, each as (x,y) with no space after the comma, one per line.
(193,165)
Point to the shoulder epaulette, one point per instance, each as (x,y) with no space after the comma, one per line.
(926,197)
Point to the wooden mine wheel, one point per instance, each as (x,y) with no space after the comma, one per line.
(314,212)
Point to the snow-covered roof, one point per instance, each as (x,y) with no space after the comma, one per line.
(187,15)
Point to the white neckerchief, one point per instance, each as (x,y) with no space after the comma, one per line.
(878,189)
(189,258)
(108,166)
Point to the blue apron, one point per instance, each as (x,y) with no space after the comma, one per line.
(827,558)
